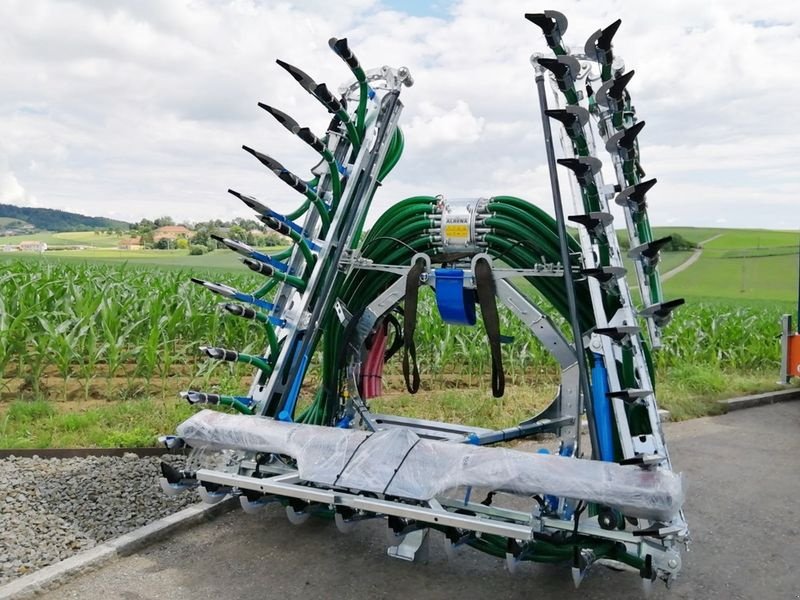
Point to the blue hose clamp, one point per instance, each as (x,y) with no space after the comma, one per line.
(456,304)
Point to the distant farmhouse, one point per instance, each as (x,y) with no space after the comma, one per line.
(130,244)
(32,246)
(171,232)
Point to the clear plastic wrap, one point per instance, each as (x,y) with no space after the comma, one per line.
(397,462)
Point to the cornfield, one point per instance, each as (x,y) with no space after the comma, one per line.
(110,331)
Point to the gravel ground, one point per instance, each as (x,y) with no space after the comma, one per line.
(53,508)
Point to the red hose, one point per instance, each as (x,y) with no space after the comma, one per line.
(371,384)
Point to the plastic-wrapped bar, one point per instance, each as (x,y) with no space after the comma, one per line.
(397,462)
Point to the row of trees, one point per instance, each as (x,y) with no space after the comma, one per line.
(248,231)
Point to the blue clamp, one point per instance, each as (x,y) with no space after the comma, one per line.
(266,258)
(456,304)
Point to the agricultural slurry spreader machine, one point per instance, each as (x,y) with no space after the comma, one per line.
(352,300)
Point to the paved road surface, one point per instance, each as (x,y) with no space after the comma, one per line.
(743,471)
(689,261)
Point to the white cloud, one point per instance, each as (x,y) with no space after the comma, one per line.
(12,192)
(436,125)
(139,109)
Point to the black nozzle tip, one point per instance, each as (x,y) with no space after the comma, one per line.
(604,41)
(621,82)
(258,267)
(265,160)
(280,116)
(301,77)
(546,23)
(290,68)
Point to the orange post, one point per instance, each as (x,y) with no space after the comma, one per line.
(793,358)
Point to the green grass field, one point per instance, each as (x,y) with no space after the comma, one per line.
(753,239)
(67,238)
(730,239)
(741,265)
(693,234)
(722,343)
(219,260)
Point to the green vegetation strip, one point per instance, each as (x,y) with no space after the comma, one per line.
(102,334)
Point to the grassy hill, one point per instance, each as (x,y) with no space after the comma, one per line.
(58,220)
(4,221)
(740,264)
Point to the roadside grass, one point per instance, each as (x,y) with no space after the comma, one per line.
(470,406)
(128,423)
(691,391)
(687,392)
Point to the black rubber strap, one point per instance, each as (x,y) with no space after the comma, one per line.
(349,333)
(361,443)
(405,456)
(410,369)
(487,299)
(397,340)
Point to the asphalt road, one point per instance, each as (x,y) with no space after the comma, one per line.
(689,261)
(744,483)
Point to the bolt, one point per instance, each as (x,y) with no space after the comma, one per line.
(673,564)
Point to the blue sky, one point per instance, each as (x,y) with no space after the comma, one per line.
(420,8)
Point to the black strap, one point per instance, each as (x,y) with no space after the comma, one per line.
(484,282)
(405,456)
(411,371)
(397,340)
(347,464)
(348,334)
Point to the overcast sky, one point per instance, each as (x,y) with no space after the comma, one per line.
(139,109)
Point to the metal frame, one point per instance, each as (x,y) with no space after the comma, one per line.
(300,317)
(786,333)
(513,524)
(651,450)
(561,417)
(303,311)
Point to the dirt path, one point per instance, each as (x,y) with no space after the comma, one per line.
(689,261)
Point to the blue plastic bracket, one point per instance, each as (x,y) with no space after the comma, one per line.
(456,303)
